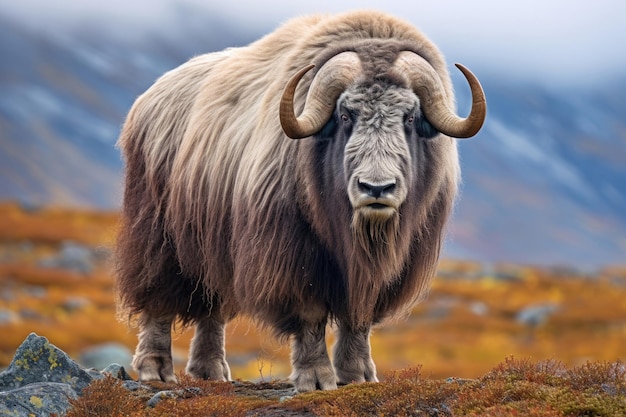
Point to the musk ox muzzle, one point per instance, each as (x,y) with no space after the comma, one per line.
(377,159)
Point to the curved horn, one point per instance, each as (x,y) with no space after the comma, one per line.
(331,80)
(427,85)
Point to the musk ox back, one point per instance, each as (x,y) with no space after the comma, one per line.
(301,180)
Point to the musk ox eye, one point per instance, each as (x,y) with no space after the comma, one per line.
(409,126)
(409,121)
(346,124)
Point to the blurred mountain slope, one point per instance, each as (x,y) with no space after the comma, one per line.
(544,182)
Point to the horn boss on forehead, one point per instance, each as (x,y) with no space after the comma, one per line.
(345,68)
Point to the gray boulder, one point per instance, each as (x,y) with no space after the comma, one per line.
(37,360)
(38,399)
(7,316)
(537,314)
(99,357)
(40,380)
(72,256)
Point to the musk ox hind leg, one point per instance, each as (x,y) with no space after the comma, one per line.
(352,356)
(207,356)
(311,367)
(153,356)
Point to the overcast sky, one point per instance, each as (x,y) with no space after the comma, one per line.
(564,40)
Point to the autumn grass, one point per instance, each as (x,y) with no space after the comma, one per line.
(51,225)
(514,387)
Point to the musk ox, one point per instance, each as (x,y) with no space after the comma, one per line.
(225,213)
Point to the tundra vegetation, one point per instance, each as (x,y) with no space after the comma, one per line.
(453,353)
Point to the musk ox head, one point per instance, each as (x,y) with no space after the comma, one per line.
(377,116)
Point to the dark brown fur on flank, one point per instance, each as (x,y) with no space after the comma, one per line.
(224,214)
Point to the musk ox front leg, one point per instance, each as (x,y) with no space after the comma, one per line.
(153,356)
(311,367)
(352,356)
(207,356)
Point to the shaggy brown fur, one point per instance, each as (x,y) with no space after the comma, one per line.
(223,214)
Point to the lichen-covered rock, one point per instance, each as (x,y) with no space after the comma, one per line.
(37,360)
(42,379)
(161,395)
(38,399)
(117,371)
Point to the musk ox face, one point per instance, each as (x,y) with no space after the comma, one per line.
(374,146)
(376,124)
(378,104)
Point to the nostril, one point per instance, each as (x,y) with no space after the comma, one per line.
(389,188)
(376,190)
(364,187)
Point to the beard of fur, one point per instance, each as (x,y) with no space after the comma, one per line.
(373,264)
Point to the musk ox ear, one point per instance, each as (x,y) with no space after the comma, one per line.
(424,129)
(329,129)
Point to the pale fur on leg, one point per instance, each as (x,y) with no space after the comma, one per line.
(352,356)
(309,359)
(153,355)
(207,356)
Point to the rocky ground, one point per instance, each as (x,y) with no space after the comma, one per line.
(42,380)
